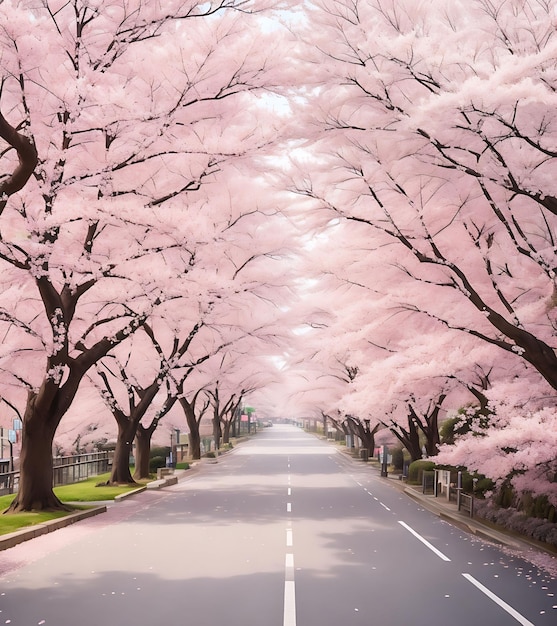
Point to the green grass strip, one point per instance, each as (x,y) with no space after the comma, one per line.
(11,523)
(90,490)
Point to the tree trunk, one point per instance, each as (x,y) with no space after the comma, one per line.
(193,425)
(121,464)
(217,430)
(195,443)
(226,430)
(36,465)
(410,438)
(142,452)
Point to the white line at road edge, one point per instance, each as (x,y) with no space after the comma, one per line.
(424,541)
(517,616)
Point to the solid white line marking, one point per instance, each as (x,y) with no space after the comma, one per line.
(424,541)
(288,507)
(289,603)
(289,540)
(517,616)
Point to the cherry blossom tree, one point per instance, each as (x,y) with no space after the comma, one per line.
(121,155)
(27,157)
(435,134)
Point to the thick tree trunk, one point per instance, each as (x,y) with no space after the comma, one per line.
(410,439)
(121,463)
(193,425)
(226,431)
(217,431)
(195,443)
(35,463)
(142,452)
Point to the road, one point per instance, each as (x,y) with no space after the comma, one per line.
(283,531)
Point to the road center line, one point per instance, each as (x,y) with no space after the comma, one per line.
(385,506)
(289,491)
(289,567)
(289,539)
(509,609)
(424,541)
(289,603)
(289,507)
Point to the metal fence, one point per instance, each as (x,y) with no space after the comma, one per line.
(67,469)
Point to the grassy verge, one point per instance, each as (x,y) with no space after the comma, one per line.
(92,490)
(84,491)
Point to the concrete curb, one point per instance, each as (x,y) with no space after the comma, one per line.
(12,539)
(128,494)
(473,525)
(19,536)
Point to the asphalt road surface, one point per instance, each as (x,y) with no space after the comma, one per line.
(283,531)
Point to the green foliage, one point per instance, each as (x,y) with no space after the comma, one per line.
(398,458)
(163,451)
(416,470)
(536,506)
(447,430)
(505,495)
(210,455)
(155,462)
(183,466)
(468,416)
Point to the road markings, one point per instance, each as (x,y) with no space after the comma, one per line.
(509,609)
(289,491)
(289,603)
(289,507)
(385,506)
(289,540)
(424,541)
(289,567)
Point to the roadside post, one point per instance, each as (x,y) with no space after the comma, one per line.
(384,461)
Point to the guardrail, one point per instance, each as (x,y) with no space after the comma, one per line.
(67,470)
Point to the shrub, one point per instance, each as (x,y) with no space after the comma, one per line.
(398,459)
(163,451)
(416,470)
(511,519)
(155,462)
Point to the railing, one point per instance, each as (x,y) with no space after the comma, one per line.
(67,470)
(72,469)
(9,482)
(465,502)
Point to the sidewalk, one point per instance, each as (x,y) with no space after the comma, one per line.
(476,526)
(24,534)
(449,512)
